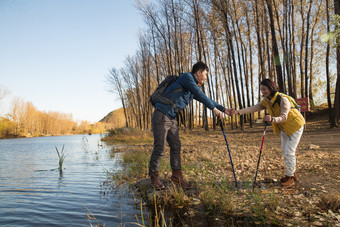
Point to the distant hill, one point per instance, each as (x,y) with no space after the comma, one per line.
(115,119)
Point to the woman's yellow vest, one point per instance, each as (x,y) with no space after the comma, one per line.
(294,120)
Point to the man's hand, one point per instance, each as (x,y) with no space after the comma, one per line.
(218,113)
(228,111)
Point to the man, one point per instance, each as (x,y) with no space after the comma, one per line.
(164,123)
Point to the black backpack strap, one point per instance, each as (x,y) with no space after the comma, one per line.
(277,100)
(177,111)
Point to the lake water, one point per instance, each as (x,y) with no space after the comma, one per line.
(34,193)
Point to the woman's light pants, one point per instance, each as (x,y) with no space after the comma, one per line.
(288,147)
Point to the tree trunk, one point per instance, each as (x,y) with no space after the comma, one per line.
(327,67)
(302,78)
(275,47)
(311,98)
(250,68)
(292,53)
(306,48)
(335,117)
(259,41)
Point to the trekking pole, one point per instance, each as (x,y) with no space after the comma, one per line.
(232,165)
(258,161)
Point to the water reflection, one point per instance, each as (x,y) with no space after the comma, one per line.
(33,191)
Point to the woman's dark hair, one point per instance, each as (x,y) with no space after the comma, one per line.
(271,85)
(199,66)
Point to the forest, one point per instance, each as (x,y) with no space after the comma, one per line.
(293,42)
(26,120)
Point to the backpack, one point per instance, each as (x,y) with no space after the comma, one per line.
(278,101)
(158,96)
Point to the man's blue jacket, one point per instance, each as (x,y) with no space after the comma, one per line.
(181,92)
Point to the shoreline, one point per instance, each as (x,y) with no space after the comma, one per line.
(20,137)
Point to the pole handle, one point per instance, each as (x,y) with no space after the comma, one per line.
(221,124)
(266,123)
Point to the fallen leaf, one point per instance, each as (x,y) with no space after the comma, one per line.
(264,191)
(317,223)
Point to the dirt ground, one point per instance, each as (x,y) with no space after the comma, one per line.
(314,200)
(318,154)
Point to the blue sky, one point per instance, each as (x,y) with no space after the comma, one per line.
(56,53)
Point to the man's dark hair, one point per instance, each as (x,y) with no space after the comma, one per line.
(273,87)
(199,66)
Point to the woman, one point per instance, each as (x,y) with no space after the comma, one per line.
(285,119)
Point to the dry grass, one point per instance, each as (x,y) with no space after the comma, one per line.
(128,136)
(331,201)
(206,165)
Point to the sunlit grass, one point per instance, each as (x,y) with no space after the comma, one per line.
(262,204)
(216,198)
(136,166)
(214,192)
(128,136)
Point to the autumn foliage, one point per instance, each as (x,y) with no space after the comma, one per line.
(25,120)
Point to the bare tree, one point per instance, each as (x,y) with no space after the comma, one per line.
(115,81)
(3,92)
(228,37)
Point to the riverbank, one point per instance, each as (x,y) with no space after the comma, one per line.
(12,137)
(214,200)
(26,136)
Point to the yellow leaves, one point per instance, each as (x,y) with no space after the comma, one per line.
(29,121)
(265,192)
(280,217)
(327,37)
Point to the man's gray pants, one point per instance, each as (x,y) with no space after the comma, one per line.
(164,130)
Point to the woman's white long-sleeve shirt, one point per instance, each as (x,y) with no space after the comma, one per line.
(284,107)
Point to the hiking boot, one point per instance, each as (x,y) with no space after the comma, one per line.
(288,181)
(156,183)
(177,178)
(295,176)
(284,179)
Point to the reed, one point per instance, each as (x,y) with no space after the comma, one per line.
(61,156)
(85,144)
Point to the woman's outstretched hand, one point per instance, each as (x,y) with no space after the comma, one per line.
(230,111)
